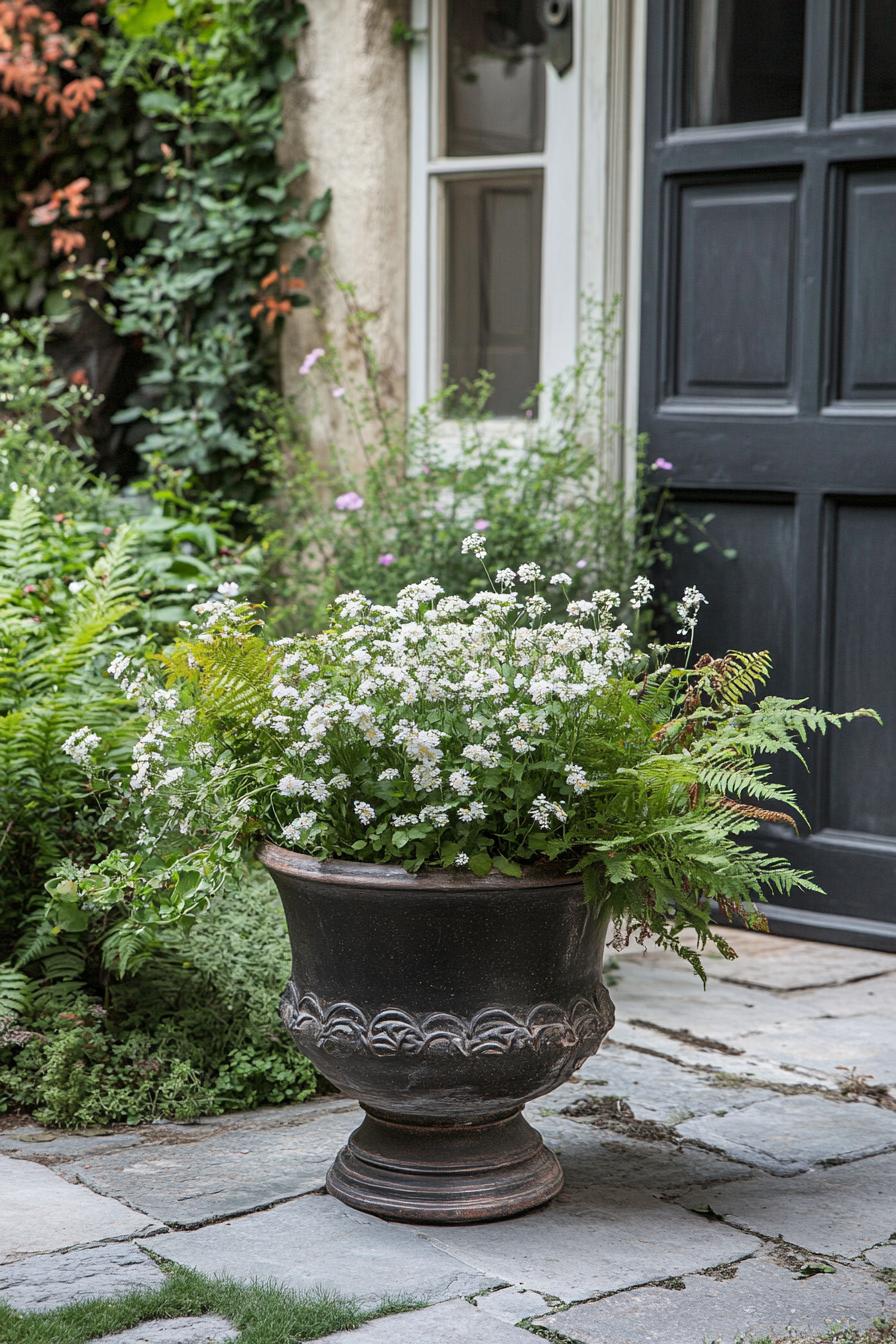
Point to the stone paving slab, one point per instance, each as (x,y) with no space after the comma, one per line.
(787,1135)
(760,1299)
(786,964)
(175,1330)
(593,1157)
(33,1141)
(882,1257)
(42,1212)
(839,1210)
(316,1242)
(655,1089)
(587,1243)
(513,1304)
(865,1043)
(44,1282)
(447,1323)
(218,1174)
(743,1061)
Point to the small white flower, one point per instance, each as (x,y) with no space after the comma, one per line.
(201,751)
(687,609)
(295,830)
(460,782)
(577,779)
(364,812)
(474,544)
(560,580)
(530,573)
(543,812)
(642,590)
(80,744)
(290,785)
(228,589)
(462,860)
(391,773)
(340,780)
(172,776)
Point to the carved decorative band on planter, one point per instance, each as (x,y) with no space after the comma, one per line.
(443,1002)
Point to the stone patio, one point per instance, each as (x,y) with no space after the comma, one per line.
(730,1164)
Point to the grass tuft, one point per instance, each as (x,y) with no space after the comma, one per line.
(263,1312)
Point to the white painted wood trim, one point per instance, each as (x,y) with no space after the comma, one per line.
(418,207)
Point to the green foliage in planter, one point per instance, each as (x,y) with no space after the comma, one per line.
(194,1032)
(206,286)
(399,493)
(83,570)
(473,733)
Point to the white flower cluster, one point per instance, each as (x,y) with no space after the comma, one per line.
(80,745)
(439,722)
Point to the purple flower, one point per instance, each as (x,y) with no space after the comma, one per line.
(338,392)
(387,558)
(311,359)
(581,564)
(662,464)
(480,525)
(350,502)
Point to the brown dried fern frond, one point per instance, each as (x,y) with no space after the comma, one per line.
(756,813)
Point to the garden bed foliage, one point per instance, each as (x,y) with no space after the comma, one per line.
(144,209)
(151,246)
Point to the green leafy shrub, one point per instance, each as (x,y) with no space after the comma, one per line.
(399,492)
(194,1032)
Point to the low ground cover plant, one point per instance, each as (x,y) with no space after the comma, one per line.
(471,733)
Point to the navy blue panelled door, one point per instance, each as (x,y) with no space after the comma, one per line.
(768,379)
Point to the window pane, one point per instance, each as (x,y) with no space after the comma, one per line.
(493,283)
(495,78)
(872,85)
(743,60)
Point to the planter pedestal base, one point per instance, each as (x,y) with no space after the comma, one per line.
(431,1172)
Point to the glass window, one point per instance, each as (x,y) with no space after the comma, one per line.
(872,76)
(743,61)
(493,283)
(494,85)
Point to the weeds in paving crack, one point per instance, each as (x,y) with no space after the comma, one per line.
(688,1038)
(616,1115)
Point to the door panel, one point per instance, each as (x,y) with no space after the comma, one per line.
(768,378)
(732,331)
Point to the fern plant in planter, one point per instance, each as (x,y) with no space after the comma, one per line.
(457,798)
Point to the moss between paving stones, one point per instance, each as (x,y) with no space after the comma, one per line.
(263,1313)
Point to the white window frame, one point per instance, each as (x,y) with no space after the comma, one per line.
(561,272)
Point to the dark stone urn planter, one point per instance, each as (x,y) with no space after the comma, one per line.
(443,1002)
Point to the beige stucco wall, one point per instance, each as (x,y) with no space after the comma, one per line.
(347,115)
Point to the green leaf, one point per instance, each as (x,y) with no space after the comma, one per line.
(480,864)
(507,866)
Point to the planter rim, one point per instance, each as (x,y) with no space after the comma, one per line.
(351,872)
